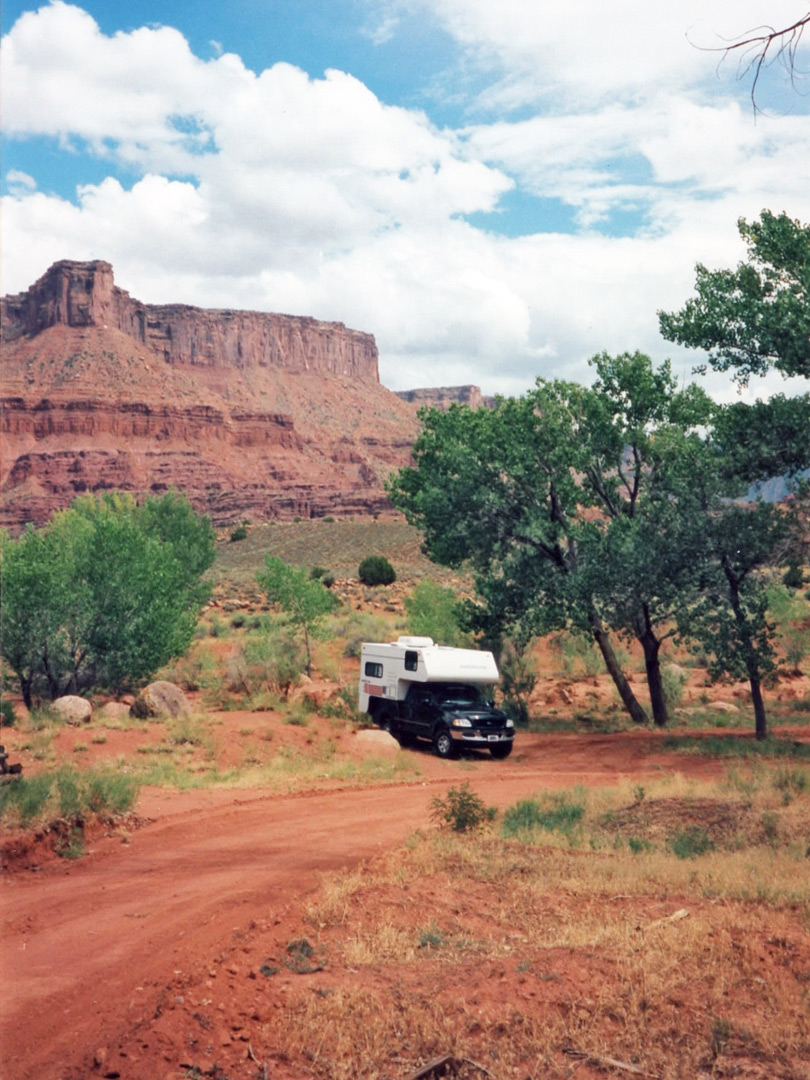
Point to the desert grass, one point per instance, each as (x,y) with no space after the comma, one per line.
(65,795)
(515,954)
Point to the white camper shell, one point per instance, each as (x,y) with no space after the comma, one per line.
(387,670)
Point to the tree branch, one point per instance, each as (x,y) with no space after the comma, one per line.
(763,45)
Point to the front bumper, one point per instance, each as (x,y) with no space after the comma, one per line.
(480,738)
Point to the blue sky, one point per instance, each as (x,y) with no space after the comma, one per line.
(495,191)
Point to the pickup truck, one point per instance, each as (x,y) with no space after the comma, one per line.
(450,716)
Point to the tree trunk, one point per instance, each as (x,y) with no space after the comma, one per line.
(629,700)
(760,720)
(751,663)
(25,690)
(309,656)
(652,663)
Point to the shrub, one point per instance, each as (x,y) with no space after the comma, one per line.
(690,843)
(239,533)
(793,578)
(67,795)
(274,660)
(8,716)
(376,570)
(433,611)
(518,679)
(320,573)
(461,809)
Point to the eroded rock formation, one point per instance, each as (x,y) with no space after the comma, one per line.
(252,414)
(442,397)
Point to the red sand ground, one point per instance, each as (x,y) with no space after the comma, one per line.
(95,953)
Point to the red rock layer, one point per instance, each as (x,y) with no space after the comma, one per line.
(252,415)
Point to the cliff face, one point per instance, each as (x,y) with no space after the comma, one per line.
(253,415)
(79,294)
(442,397)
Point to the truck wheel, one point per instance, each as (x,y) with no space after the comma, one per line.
(385,719)
(444,745)
(502,751)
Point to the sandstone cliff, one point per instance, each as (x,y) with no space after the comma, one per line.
(442,397)
(253,415)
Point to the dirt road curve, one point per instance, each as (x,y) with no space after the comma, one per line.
(87,947)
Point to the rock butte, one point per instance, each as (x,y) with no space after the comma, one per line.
(252,415)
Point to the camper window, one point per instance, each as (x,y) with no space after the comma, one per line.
(374,670)
(411,660)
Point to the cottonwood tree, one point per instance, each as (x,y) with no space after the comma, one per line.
(549,498)
(749,320)
(757,316)
(496,489)
(305,600)
(104,595)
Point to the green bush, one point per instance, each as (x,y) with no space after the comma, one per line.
(376,570)
(320,573)
(8,715)
(690,843)
(461,809)
(239,533)
(793,578)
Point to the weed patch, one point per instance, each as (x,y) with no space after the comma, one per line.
(551,813)
(461,809)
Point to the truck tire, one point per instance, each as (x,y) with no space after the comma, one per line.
(385,719)
(503,750)
(443,744)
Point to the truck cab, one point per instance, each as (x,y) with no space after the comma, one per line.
(418,690)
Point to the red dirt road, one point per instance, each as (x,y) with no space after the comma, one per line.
(88,948)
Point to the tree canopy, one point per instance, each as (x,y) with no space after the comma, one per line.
(304,599)
(103,595)
(757,316)
(551,498)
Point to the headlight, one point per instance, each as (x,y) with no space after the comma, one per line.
(461,721)
(510,722)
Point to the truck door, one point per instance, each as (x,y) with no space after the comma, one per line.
(420,712)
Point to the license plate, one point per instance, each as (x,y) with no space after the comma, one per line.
(493,738)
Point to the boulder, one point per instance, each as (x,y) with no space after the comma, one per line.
(373,742)
(723,706)
(115,710)
(160,700)
(72,709)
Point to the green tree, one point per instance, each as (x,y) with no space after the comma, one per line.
(305,601)
(433,611)
(556,499)
(498,489)
(103,595)
(757,316)
(729,617)
(749,320)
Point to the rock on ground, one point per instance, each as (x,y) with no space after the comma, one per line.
(162,700)
(72,709)
(376,743)
(114,710)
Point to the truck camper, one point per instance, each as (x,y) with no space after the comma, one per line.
(417,689)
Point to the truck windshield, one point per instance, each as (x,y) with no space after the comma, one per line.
(459,695)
